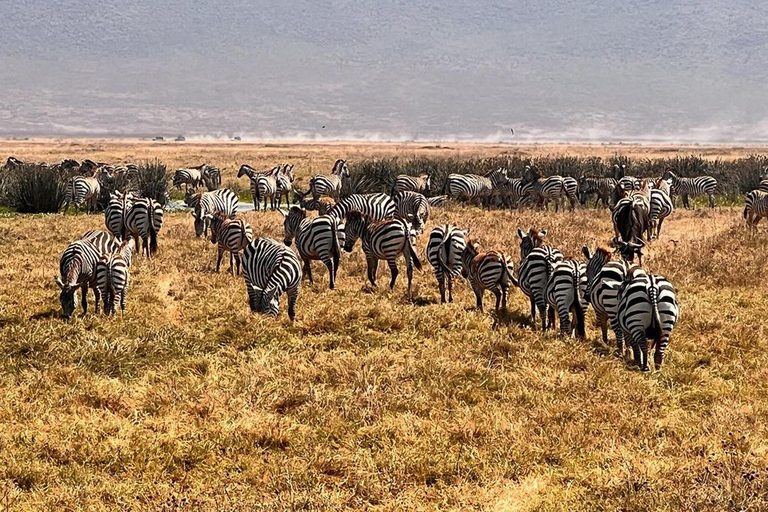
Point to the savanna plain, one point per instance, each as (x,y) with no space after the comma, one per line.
(369,400)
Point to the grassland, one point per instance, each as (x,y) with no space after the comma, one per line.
(369,401)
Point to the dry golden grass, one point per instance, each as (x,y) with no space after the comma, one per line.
(368,401)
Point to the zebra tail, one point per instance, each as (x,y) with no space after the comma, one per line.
(412,251)
(152,232)
(653,295)
(445,243)
(335,249)
(746,210)
(581,331)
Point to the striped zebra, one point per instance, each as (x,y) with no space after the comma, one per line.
(602,188)
(211,177)
(190,177)
(444,250)
(413,208)
(82,189)
(266,187)
(692,187)
(661,208)
(112,277)
(316,239)
(491,270)
(116,213)
(376,206)
(406,183)
(382,240)
(206,204)
(230,235)
(104,242)
(270,269)
(437,201)
(329,185)
(632,216)
(544,190)
(647,309)
(253,176)
(604,279)
(571,187)
(756,208)
(284,186)
(536,261)
(566,294)
(144,220)
(513,192)
(473,187)
(77,269)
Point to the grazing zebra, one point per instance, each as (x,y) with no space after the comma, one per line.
(756,208)
(405,183)
(604,279)
(230,235)
(376,206)
(116,213)
(189,177)
(541,191)
(112,277)
(571,187)
(536,264)
(329,185)
(661,208)
(692,187)
(474,187)
(413,208)
(513,191)
(104,242)
(631,216)
(77,269)
(647,309)
(444,250)
(253,176)
(601,187)
(284,185)
(211,177)
(566,293)
(382,240)
(144,220)
(492,270)
(316,239)
(270,269)
(266,187)
(206,204)
(84,190)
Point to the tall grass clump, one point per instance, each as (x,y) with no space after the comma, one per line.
(152,181)
(32,188)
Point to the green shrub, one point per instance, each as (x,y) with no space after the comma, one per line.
(32,188)
(152,181)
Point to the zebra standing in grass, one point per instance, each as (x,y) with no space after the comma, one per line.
(382,240)
(647,309)
(474,187)
(116,213)
(571,187)
(230,235)
(104,242)
(253,176)
(756,208)
(542,191)
(692,187)
(513,191)
(112,277)
(661,206)
(191,177)
(329,185)
(206,204)
(376,206)
(77,269)
(536,261)
(84,190)
(211,177)
(270,269)
(413,208)
(284,186)
(566,293)
(601,187)
(437,201)
(492,270)
(632,216)
(406,183)
(144,220)
(267,187)
(444,250)
(316,239)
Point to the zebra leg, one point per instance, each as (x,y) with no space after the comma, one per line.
(685,201)
(450,289)
(293,295)
(441,285)
(602,321)
(219,255)
(231,263)
(661,347)
(373,266)
(504,293)
(642,343)
(497,293)
(711,200)
(564,315)
(478,295)
(619,332)
(393,270)
(122,303)
(237,261)
(308,270)
(328,262)
(533,311)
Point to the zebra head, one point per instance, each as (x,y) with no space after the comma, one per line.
(67,297)
(530,240)
(202,221)
(355,227)
(292,223)
(263,301)
(245,170)
(340,168)
(628,250)
(471,249)
(288,172)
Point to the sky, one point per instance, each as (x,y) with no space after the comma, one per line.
(552,70)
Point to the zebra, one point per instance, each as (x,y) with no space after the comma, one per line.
(661,207)
(437,201)
(230,235)
(112,277)
(631,216)
(692,187)
(77,269)
(536,261)
(566,293)
(206,204)
(189,177)
(601,187)
(513,190)
(253,176)
(413,208)
(284,184)
(329,185)
(406,183)
(647,309)
(604,279)
(763,187)
(376,206)
(382,240)
(211,177)
(571,187)
(756,208)
(145,219)
(266,187)
(316,239)
(82,189)
(104,242)
(542,191)
(491,270)
(270,269)
(474,187)
(116,213)
(444,249)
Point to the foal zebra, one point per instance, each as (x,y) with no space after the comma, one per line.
(77,269)
(444,251)
(144,220)
(230,235)
(329,185)
(206,204)
(376,206)
(692,187)
(604,279)
(647,309)
(405,183)
(601,187)
(492,270)
(566,293)
(270,269)
(382,240)
(116,213)
(756,208)
(413,208)
(536,264)
(112,277)
(316,239)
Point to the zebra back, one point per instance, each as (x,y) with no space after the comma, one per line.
(377,206)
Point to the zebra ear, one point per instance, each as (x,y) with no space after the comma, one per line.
(59,282)
(542,233)
(586,253)
(520,233)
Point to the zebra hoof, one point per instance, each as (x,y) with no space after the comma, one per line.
(645,369)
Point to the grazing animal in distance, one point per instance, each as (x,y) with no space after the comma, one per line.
(376,206)
(116,213)
(491,270)
(284,185)
(267,187)
(77,269)
(471,187)
(406,183)
(601,187)
(566,294)
(253,178)
(230,235)
(755,208)
(661,206)
(271,269)
(329,185)
(190,177)
(84,190)
(316,239)
(413,208)
(444,251)
(692,187)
